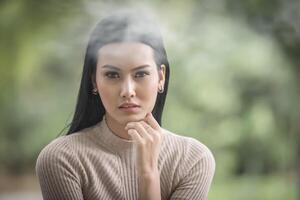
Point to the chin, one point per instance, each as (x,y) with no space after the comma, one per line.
(131,118)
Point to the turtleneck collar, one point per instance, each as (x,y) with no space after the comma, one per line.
(110,139)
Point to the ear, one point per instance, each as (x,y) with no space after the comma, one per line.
(161,75)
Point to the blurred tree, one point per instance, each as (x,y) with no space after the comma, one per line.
(281,19)
(232,82)
(21,24)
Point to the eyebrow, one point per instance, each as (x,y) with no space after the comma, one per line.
(118,69)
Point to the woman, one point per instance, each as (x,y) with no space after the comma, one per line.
(115,147)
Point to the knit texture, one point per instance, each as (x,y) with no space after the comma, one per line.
(94,163)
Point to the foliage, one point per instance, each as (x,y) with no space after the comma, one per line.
(234,83)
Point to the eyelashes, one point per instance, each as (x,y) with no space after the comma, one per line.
(142,74)
(111,75)
(114,75)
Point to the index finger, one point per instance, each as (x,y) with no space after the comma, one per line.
(152,121)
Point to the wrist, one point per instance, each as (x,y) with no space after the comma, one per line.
(149,185)
(148,171)
(149,174)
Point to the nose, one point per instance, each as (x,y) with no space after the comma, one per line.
(127,88)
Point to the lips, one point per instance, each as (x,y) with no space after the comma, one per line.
(128,105)
(129,108)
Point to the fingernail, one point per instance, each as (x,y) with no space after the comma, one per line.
(127,126)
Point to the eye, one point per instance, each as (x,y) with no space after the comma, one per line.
(112,75)
(141,74)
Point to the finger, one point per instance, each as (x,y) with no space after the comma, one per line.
(155,125)
(150,130)
(135,135)
(146,126)
(152,121)
(140,129)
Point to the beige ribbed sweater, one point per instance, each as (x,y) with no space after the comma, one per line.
(95,164)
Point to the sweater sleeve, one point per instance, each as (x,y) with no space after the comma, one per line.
(56,169)
(197,170)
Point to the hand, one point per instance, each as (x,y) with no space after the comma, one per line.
(147,136)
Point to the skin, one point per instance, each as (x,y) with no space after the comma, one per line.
(126,72)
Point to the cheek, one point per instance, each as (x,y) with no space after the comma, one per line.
(106,95)
(105,98)
(149,92)
(149,88)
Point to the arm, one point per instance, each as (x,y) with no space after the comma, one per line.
(147,138)
(57,175)
(196,182)
(149,186)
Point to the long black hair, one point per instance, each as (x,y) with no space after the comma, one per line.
(120,27)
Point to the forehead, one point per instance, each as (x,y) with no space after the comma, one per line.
(126,54)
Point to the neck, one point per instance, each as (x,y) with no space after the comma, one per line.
(117,128)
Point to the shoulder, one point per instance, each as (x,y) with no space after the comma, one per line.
(55,154)
(58,167)
(62,150)
(58,146)
(193,164)
(189,145)
(191,151)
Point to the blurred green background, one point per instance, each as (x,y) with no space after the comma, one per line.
(234,85)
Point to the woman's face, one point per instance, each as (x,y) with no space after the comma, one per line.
(127,73)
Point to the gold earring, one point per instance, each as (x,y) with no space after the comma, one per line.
(161,89)
(94,91)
